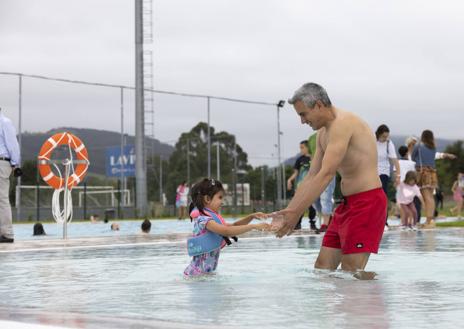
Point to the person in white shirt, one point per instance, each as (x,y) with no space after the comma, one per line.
(386,156)
(9,162)
(405,163)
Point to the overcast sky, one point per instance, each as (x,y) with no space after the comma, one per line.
(394,62)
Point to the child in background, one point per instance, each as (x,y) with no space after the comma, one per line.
(207,197)
(458,193)
(407,190)
(405,165)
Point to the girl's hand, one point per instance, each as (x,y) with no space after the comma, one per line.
(259,215)
(262,227)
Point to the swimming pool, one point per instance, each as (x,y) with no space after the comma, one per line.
(127,227)
(262,282)
(87,229)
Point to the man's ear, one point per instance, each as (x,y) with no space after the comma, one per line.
(319,104)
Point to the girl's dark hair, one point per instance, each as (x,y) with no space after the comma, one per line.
(38,229)
(206,187)
(380,130)
(428,139)
(410,175)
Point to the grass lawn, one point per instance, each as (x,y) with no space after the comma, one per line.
(452,224)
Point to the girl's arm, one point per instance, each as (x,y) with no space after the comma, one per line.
(453,188)
(249,218)
(234,230)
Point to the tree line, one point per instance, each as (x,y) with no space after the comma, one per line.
(189,163)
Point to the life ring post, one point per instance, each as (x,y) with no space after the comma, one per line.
(73,174)
(67,168)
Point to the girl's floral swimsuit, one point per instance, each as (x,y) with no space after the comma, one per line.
(204,263)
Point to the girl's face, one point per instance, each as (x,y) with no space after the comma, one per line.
(384,137)
(216,202)
(411,182)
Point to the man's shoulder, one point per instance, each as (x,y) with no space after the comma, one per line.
(345,123)
(347,117)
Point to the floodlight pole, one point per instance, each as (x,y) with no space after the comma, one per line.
(161,179)
(121,185)
(218,163)
(279,105)
(209,138)
(279,184)
(20,133)
(140,163)
(188,161)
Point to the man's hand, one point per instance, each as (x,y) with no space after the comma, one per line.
(17,172)
(289,223)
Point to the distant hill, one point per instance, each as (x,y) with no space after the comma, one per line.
(96,142)
(397,140)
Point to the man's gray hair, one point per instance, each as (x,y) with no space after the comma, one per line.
(309,93)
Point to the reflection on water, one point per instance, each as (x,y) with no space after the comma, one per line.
(260,283)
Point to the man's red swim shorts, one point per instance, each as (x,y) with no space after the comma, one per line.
(358,223)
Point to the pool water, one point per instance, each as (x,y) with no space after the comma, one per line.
(261,282)
(127,227)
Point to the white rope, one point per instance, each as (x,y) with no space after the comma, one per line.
(59,212)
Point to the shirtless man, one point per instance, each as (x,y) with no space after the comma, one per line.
(346,144)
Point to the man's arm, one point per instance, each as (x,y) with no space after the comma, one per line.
(320,176)
(396,164)
(11,143)
(442,155)
(291,179)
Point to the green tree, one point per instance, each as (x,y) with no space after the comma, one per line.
(255,177)
(195,143)
(155,168)
(447,169)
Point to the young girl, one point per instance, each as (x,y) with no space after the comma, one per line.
(210,231)
(458,193)
(407,190)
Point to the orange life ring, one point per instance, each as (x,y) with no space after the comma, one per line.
(46,151)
